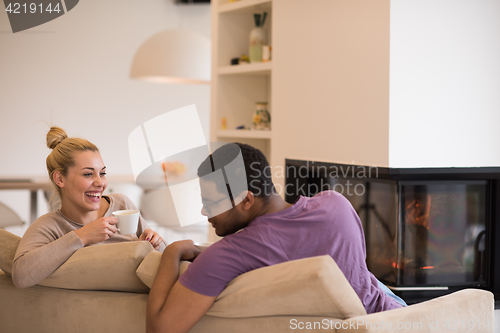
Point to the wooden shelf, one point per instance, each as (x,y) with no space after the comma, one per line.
(261,69)
(236,89)
(247,134)
(245,6)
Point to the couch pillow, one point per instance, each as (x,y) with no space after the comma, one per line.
(149,267)
(306,287)
(8,247)
(102,267)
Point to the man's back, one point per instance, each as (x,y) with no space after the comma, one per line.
(324,224)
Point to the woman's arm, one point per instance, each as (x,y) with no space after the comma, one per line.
(47,244)
(40,252)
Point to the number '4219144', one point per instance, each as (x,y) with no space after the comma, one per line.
(25,8)
(471,323)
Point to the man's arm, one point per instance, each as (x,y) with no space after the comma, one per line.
(171,306)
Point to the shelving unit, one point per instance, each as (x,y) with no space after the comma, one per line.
(244,6)
(248,134)
(236,89)
(263,68)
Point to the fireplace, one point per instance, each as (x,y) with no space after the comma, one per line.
(428,231)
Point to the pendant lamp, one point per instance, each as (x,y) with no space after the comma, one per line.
(173,56)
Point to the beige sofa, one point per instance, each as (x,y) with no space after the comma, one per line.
(104,289)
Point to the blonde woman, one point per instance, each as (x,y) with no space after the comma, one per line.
(79,175)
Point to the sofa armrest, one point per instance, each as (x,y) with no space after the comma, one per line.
(468,310)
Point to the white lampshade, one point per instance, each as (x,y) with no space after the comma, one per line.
(173,56)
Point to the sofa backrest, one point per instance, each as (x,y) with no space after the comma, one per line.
(313,286)
(308,287)
(102,267)
(8,247)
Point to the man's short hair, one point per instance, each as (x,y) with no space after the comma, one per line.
(258,173)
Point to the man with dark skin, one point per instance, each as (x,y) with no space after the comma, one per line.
(271,231)
(175,308)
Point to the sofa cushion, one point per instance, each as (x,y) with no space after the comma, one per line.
(149,267)
(102,267)
(8,247)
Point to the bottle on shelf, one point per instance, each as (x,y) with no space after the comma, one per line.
(258,38)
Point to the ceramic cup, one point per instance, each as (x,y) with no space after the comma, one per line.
(128,221)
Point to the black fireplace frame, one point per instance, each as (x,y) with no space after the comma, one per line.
(490,174)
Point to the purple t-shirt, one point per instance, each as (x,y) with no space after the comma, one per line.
(324,224)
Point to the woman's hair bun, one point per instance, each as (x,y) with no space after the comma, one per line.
(55,136)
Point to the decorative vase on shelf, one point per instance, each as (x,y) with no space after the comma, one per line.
(258,38)
(261,117)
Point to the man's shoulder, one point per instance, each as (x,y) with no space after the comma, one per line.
(330,194)
(331,203)
(226,244)
(331,197)
(223,252)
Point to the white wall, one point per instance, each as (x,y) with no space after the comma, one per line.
(73,72)
(445,83)
(330,81)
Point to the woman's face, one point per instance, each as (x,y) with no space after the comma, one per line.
(84,182)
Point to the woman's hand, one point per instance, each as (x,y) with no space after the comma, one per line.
(98,231)
(153,237)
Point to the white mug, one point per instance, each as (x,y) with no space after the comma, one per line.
(128,221)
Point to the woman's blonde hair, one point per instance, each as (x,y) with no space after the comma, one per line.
(63,149)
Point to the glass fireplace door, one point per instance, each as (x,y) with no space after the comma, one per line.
(441,236)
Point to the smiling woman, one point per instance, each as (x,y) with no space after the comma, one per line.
(78,172)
